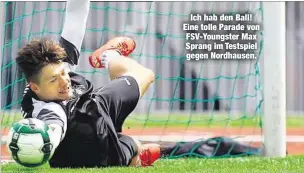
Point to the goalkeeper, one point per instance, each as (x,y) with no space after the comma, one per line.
(86,122)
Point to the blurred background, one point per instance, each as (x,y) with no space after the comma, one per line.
(181,86)
(157,29)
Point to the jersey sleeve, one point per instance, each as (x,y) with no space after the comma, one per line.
(52,113)
(71,50)
(74,27)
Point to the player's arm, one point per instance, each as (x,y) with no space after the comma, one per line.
(74,28)
(55,117)
(51,114)
(118,65)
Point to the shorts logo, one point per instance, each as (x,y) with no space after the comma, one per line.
(128,82)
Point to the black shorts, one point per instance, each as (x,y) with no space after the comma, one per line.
(118,99)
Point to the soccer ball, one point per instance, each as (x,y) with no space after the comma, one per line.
(29,142)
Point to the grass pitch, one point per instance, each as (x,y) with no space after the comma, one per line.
(290,164)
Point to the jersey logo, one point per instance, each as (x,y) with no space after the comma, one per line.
(79,89)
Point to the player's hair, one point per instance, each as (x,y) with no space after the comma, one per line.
(37,54)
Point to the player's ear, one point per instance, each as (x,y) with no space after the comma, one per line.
(34,87)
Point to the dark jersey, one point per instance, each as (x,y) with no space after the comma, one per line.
(91,120)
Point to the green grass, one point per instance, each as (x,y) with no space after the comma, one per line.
(184,120)
(218,120)
(291,164)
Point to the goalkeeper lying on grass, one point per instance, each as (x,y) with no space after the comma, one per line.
(87,121)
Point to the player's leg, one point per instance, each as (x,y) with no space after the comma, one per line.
(124,45)
(130,80)
(118,99)
(138,154)
(131,149)
(113,56)
(147,155)
(118,66)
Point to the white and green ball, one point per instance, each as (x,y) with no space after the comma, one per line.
(29,142)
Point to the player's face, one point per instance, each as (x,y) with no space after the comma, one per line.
(55,83)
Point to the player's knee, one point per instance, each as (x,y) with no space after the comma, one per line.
(150,75)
